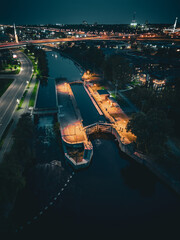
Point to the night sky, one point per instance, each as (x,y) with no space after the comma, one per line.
(75,11)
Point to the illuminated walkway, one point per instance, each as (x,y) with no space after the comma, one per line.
(78,150)
(113,113)
(69,115)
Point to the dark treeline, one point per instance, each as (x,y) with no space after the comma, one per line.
(152,132)
(16,163)
(115,68)
(90,58)
(6,58)
(40,56)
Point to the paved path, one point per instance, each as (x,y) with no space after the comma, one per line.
(69,115)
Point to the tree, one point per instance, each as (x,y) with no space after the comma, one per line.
(118,70)
(57,128)
(151,130)
(17,161)
(11,180)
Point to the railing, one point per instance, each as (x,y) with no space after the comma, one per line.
(109,128)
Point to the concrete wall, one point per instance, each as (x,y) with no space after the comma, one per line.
(140,158)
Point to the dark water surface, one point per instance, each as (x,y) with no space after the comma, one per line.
(115,198)
(87,109)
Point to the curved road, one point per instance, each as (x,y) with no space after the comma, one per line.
(8,101)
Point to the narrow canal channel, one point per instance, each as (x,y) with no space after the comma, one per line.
(114,196)
(88,110)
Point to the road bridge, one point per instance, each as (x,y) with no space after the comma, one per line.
(73,39)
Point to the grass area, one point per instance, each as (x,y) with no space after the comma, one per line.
(5,133)
(11,69)
(34,62)
(22,100)
(135,83)
(35,71)
(4,84)
(113,95)
(33,95)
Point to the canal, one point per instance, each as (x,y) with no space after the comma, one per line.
(87,109)
(114,197)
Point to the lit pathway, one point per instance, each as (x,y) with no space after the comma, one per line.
(114,113)
(69,115)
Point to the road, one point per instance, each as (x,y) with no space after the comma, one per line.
(8,101)
(74,39)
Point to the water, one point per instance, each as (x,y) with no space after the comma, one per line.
(60,67)
(115,197)
(88,111)
(46,97)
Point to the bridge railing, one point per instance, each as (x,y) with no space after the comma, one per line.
(109,128)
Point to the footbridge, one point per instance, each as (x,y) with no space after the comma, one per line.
(111,129)
(98,127)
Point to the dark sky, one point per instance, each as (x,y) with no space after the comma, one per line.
(75,11)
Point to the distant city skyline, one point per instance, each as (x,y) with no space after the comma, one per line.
(102,12)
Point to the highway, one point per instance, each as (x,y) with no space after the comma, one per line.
(94,38)
(8,101)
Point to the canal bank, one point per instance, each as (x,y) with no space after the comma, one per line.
(114,196)
(92,116)
(78,149)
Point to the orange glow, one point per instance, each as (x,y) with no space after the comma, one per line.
(159,82)
(64,88)
(86,75)
(74,133)
(114,113)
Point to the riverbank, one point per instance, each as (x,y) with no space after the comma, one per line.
(114,194)
(158,169)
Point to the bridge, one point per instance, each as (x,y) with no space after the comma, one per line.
(73,39)
(98,127)
(47,111)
